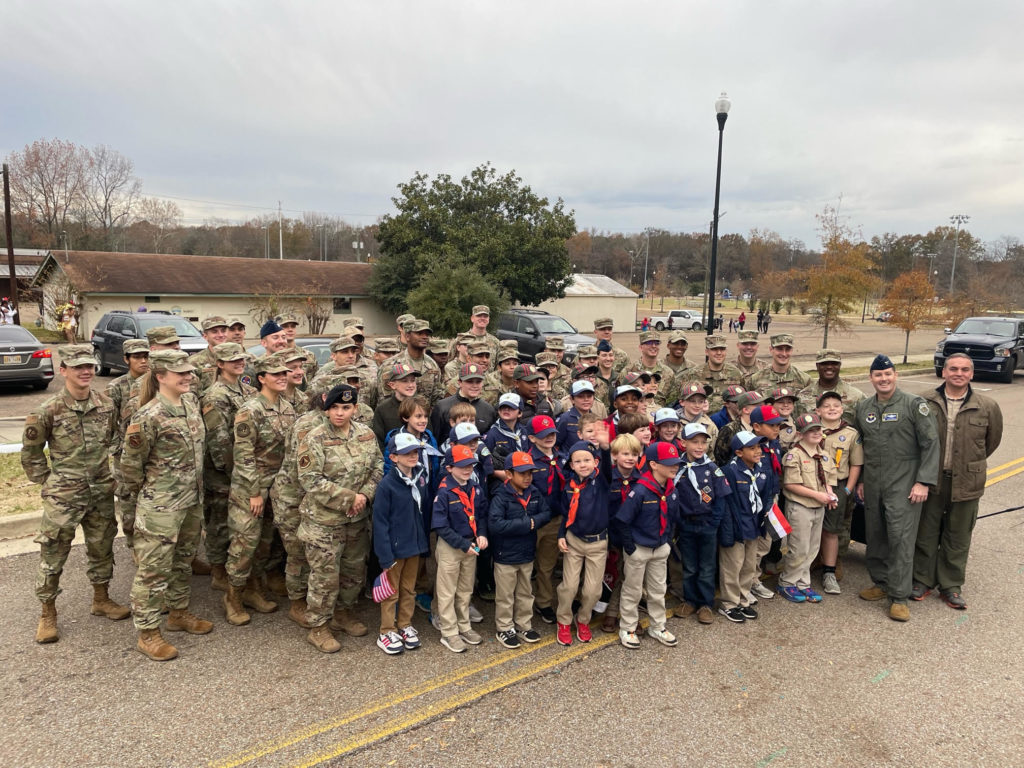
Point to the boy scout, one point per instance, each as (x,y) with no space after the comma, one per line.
(842,444)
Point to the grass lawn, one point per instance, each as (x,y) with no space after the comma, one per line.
(45,335)
(18,494)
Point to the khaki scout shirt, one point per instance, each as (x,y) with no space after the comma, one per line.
(843,445)
(800,467)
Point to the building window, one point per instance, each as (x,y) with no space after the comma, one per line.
(342,306)
(151,300)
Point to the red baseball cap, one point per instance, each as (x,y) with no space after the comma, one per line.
(542,426)
(663,453)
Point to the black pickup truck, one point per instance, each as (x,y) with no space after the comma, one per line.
(994,344)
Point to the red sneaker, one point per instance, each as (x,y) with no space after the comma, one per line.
(583,632)
(564,635)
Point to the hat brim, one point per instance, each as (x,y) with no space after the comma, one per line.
(828,360)
(471,461)
(524,468)
(669,461)
(275,369)
(625,389)
(179,368)
(545,433)
(75,361)
(529,377)
(773,420)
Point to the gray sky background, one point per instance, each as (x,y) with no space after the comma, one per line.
(911,111)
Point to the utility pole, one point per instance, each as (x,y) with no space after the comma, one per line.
(13,289)
(280,232)
(958,219)
(647,258)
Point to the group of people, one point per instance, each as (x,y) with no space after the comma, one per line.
(439,474)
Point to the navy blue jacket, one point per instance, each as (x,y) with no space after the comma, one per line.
(568,428)
(592,510)
(398,530)
(432,463)
(639,518)
(739,524)
(549,479)
(512,542)
(501,445)
(721,418)
(618,490)
(449,516)
(774,447)
(694,510)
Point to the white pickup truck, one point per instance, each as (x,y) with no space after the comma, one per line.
(682,319)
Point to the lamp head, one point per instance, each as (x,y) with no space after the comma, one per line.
(722,104)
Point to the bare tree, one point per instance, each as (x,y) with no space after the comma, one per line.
(47,179)
(163,217)
(110,189)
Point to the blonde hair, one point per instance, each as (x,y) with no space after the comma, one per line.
(461,412)
(626,443)
(148,388)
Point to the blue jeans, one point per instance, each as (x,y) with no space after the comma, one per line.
(698,543)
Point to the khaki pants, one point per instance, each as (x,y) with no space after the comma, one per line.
(546,559)
(456,572)
(513,597)
(403,578)
(737,569)
(803,543)
(646,567)
(589,558)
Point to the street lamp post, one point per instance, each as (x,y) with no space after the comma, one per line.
(958,219)
(647,258)
(722,113)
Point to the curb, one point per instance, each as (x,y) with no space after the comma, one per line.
(20,526)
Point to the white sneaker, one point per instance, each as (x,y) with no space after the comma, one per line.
(759,590)
(629,639)
(454,644)
(830,584)
(663,636)
(435,621)
(475,617)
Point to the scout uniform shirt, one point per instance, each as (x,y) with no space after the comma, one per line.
(811,468)
(788,435)
(843,445)
(702,488)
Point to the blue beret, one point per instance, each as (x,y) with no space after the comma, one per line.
(269,327)
(881,362)
(604,346)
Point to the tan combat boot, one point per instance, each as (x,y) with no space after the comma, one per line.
(899,612)
(233,610)
(322,639)
(344,621)
(102,605)
(152,644)
(46,631)
(252,596)
(180,620)
(200,567)
(275,583)
(873,593)
(297,613)
(219,578)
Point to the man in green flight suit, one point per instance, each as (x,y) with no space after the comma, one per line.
(901,463)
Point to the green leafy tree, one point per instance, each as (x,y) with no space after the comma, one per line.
(447,293)
(515,239)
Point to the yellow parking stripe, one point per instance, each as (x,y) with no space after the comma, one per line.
(1004,466)
(998,478)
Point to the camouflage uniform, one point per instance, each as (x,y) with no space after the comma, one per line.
(310,366)
(494,388)
(428,384)
(850,394)
(333,469)
(666,387)
(718,381)
(119,392)
(298,400)
(493,343)
(78,488)
(748,370)
(767,379)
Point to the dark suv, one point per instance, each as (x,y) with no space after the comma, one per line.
(994,344)
(114,327)
(531,327)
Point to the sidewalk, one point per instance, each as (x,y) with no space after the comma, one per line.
(10,433)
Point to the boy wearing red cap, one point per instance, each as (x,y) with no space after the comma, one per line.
(549,479)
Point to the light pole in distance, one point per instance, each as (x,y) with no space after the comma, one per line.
(722,105)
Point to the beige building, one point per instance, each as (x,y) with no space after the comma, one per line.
(194,287)
(593,296)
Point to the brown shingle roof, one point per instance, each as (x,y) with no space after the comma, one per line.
(154,274)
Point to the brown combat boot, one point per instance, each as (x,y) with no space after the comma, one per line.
(46,631)
(102,605)
(152,644)
(275,583)
(322,639)
(219,578)
(344,621)
(233,610)
(872,593)
(180,620)
(252,596)
(200,567)
(899,612)
(297,613)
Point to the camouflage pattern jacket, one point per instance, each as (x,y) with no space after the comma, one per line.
(286,493)
(260,431)
(333,469)
(220,403)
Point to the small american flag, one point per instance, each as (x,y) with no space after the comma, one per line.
(382,588)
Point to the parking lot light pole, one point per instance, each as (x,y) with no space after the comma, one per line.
(722,113)
(958,219)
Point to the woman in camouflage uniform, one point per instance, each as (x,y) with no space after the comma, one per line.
(295,360)
(162,463)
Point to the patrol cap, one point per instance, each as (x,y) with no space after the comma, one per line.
(715,342)
(663,415)
(402,443)
(546,359)
(745,439)
(582,387)
(291,354)
(135,346)
(807,421)
(342,342)
(287,319)
(460,456)
(678,337)
(214,321)
(237,322)
(555,343)
(174,360)
(439,347)
(828,356)
(881,363)
(525,372)
(510,400)
(542,426)
(353,322)
(77,354)
(520,461)
(625,389)
(347,372)
(387,344)
(580,370)
(663,453)
(825,395)
(586,351)
(506,353)
(765,414)
(693,389)
(750,397)
(747,336)
(508,344)
(481,309)
(418,326)
(267,364)
(650,337)
(402,320)
(478,348)
(342,393)
(471,371)
(463,338)
(229,351)
(781,392)
(603,322)
(399,371)
(353,332)
(465,432)
(782,340)
(162,334)
(693,429)
(732,392)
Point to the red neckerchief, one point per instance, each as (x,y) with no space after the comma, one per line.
(555,468)
(624,490)
(468,505)
(525,502)
(776,464)
(647,481)
(819,464)
(575,489)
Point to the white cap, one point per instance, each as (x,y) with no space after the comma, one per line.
(665,414)
(465,431)
(581,386)
(690,431)
(511,399)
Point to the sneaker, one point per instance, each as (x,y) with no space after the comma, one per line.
(751,600)
(410,638)
(830,584)
(529,635)
(390,643)
(564,634)
(435,621)
(954,599)
(471,637)
(920,591)
(705,615)
(663,636)
(629,639)
(583,632)
(748,611)
(475,617)
(547,614)
(811,595)
(508,638)
(423,601)
(733,614)
(454,644)
(793,594)
(762,592)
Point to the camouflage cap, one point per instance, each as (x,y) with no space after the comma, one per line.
(555,343)
(347,372)
(588,351)
(403,320)
(715,342)
(481,309)
(77,354)
(287,318)
(745,336)
(134,346)
(353,332)
(471,371)
(648,337)
(418,326)
(229,351)
(343,342)
(399,371)
(438,347)
(510,343)
(546,359)
(676,337)
(270,364)
(214,321)
(174,360)
(479,348)
(387,344)
(828,356)
(507,353)
(162,334)
(291,354)
(603,322)
(464,338)
(349,322)
(782,340)
(235,322)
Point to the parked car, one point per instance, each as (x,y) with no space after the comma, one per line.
(23,358)
(994,344)
(884,317)
(115,327)
(318,345)
(682,320)
(531,327)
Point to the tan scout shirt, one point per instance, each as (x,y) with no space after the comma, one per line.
(800,467)
(843,445)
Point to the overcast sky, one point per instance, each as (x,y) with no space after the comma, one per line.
(910,111)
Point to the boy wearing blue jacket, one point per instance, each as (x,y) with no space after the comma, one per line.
(398,540)
(549,480)
(753,486)
(766,422)
(517,511)
(506,436)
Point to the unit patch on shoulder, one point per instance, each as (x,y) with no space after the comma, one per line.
(923,409)
(31,433)
(243,429)
(304,462)
(871,418)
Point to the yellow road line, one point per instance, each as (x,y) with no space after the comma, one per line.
(998,478)
(1004,466)
(398,724)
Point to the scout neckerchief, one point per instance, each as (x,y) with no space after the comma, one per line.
(756,503)
(575,489)
(819,465)
(424,455)
(515,437)
(468,505)
(624,489)
(524,500)
(692,476)
(413,481)
(776,464)
(555,469)
(647,481)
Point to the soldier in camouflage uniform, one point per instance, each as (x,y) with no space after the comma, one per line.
(676,360)
(603,327)
(215,331)
(136,354)
(384,349)
(350,375)
(236,333)
(650,346)
(438,351)
(562,378)
(549,363)
(162,464)
(480,319)
(781,373)
(428,384)
(746,357)
(290,324)
(220,403)
(717,373)
(500,380)
(294,360)
(458,355)
(829,362)
(340,466)
(78,425)
(261,425)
